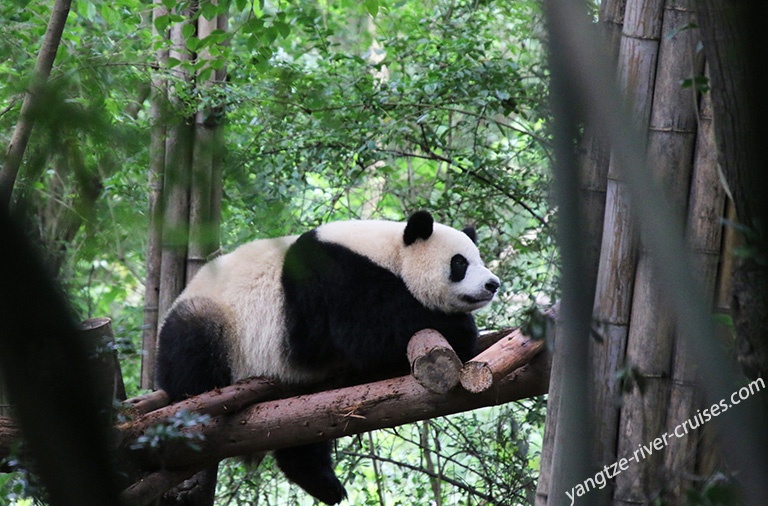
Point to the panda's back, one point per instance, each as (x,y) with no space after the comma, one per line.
(242,290)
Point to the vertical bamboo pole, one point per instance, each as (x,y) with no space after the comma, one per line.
(218,152)
(593,165)
(178,162)
(706,206)
(202,207)
(615,284)
(155,177)
(201,194)
(672,134)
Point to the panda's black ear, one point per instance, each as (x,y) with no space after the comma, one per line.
(471,233)
(419,227)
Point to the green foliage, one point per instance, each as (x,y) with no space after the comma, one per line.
(719,490)
(176,428)
(630,377)
(21,485)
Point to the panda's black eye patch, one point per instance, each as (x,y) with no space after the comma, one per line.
(459,266)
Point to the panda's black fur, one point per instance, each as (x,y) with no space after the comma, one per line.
(368,314)
(340,310)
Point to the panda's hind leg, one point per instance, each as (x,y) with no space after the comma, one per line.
(192,354)
(310,467)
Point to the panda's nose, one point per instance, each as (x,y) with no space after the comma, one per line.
(492,285)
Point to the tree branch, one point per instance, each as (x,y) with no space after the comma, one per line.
(336,413)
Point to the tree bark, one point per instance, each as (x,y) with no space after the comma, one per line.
(735,44)
(21,134)
(335,413)
(480,373)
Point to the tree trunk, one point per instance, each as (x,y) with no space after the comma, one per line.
(159,103)
(735,45)
(20,139)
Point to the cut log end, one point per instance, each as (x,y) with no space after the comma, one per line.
(500,359)
(476,377)
(434,364)
(437,371)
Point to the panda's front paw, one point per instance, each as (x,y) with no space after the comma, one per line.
(310,467)
(330,491)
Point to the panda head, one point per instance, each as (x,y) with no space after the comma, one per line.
(441,266)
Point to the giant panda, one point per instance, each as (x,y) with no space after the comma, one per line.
(346,295)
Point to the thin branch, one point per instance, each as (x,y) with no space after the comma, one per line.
(431,474)
(431,155)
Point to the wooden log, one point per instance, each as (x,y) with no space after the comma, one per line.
(335,413)
(221,401)
(153,407)
(143,404)
(98,333)
(154,485)
(434,364)
(9,434)
(516,349)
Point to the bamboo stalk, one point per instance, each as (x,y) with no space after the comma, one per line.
(594,167)
(155,174)
(704,231)
(672,135)
(201,192)
(178,163)
(638,53)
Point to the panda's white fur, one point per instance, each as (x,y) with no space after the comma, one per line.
(296,308)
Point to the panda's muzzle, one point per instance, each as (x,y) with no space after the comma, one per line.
(490,288)
(492,285)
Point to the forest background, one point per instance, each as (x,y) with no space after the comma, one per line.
(327,111)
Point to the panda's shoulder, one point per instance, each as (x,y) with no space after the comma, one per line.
(260,253)
(377,240)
